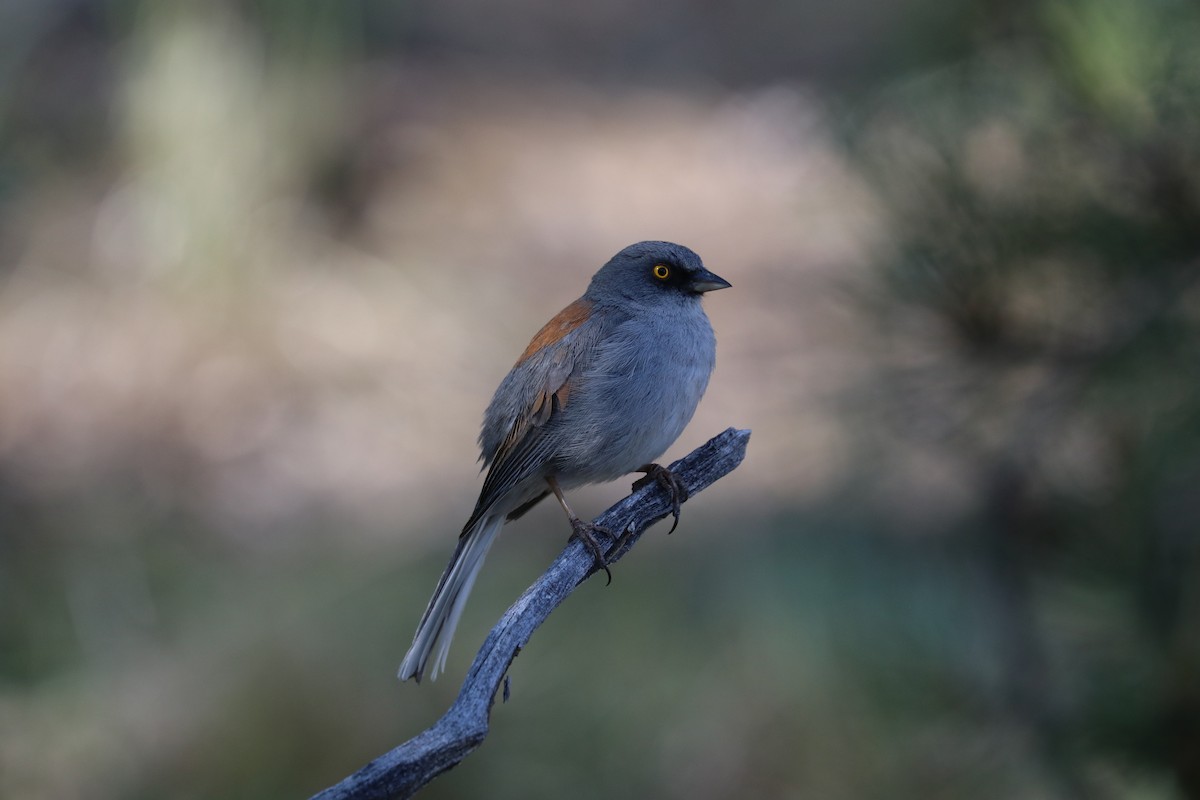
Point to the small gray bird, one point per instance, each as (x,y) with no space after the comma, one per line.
(604,388)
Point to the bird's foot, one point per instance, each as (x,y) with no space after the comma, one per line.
(667,480)
(585,532)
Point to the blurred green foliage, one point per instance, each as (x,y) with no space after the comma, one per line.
(1034,345)
(1040,315)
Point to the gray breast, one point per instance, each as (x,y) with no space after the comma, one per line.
(637,395)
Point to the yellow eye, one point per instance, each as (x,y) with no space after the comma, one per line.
(662,271)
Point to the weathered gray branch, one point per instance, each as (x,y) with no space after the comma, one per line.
(404,770)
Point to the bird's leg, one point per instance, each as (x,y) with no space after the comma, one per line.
(667,480)
(583,530)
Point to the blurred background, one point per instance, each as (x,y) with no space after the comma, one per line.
(263,263)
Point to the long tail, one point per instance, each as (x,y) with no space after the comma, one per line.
(449,598)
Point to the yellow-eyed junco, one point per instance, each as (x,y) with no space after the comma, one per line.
(604,388)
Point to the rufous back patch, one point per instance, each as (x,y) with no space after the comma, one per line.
(559,326)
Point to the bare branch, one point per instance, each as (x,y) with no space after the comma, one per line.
(402,771)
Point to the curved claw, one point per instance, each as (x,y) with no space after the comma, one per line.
(584,532)
(667,480)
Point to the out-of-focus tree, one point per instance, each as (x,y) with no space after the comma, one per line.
(1039,331)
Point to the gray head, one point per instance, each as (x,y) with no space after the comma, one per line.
(649,271)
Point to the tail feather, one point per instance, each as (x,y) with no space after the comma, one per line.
(449,598)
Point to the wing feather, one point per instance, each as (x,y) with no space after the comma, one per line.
(514,443)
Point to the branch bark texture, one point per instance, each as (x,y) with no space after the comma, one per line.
(405,769)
